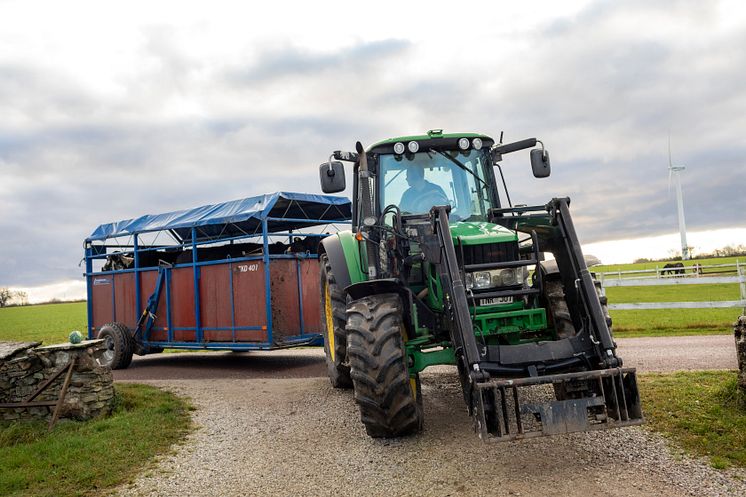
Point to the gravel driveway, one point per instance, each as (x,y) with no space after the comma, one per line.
(260,434)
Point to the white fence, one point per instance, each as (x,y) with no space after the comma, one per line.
(657,277)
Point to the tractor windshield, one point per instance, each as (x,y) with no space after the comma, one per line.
(416,182)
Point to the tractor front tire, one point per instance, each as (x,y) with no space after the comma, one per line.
(390,401)
(333,307)
(118,346)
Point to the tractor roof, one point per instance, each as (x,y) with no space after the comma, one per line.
(433,134)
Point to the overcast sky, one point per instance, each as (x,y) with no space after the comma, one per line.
(112,110)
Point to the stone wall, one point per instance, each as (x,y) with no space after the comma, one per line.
(25,366)
(740,332)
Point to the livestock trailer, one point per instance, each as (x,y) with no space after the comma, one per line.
(239,275)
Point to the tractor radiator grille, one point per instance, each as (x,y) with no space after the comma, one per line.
(489,252)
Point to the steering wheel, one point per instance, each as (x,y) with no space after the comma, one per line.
(430,199)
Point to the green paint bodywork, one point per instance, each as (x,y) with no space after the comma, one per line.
(478,233)
(352,256)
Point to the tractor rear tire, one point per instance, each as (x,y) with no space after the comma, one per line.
(333,319)
(119,346)
(390,400)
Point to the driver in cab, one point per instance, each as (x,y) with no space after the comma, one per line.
(421,194)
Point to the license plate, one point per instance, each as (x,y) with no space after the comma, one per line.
(496,301)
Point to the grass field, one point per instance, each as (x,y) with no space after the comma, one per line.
(703,411)
(662,322)
(48,323)
(81,459)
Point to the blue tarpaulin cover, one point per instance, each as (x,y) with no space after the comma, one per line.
(237,217)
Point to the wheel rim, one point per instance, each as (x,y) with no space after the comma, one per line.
(329,319)
(413,385)
(108,356)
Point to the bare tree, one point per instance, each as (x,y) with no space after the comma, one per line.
(7,296)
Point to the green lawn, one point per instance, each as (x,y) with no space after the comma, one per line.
(673,322)
(48,323)
(673,293)
(653,265)
(703,411)
(81,459)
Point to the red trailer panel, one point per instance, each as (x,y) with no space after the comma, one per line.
(102,308)
(310,271)
(182,304)
(248,301)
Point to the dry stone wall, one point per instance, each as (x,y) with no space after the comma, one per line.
(24,366)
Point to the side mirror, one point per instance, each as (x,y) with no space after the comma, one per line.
(332,177)
(540,163)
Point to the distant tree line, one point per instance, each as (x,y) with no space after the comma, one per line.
(727,251)
(10,297)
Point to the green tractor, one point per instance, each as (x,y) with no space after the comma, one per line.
(438,270)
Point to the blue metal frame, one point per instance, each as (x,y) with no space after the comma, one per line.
(100,252)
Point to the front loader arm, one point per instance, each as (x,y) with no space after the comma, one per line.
(456,304)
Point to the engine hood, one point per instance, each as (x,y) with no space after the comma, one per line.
(477,233)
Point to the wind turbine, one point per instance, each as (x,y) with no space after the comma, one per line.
(676,170)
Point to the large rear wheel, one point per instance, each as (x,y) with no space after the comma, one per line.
(390,400)
(333,307)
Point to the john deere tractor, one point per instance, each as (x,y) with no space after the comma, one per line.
(437,269)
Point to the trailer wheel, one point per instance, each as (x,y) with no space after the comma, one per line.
(118,346)
(390,400)
(333,307)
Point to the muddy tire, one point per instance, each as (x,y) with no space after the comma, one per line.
(554,295)
(118,346)
(390,401)
(333,319)
(559,313)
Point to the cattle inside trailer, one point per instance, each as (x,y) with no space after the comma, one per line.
(240,275)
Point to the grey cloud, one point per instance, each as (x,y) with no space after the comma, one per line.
(292,61)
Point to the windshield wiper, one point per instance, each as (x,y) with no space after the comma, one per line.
(460,165)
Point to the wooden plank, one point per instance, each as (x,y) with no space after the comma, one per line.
(61,400)
(678,305)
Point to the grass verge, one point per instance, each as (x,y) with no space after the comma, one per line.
(703,411)
(81,459)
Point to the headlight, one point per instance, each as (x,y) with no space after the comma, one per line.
(463,143)
(482,279)
(413,146)
(398,148)
(477,143)
(507,277)
(479,280)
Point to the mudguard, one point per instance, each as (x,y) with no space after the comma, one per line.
(344,258)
